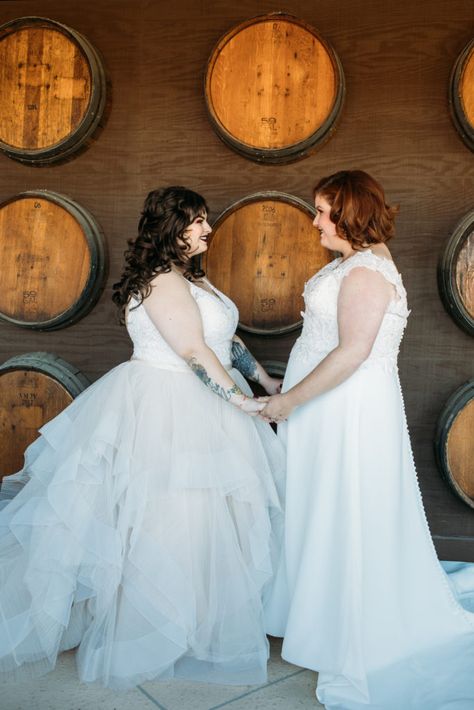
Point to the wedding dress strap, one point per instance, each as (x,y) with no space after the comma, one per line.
(367,259)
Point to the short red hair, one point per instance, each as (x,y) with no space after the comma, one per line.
(358,207)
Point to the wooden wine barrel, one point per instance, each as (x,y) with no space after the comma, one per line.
(461,94)
(456,274)
(454,442)
(274,88)
(263,249)
(52,88)
(34,388)
(53,260)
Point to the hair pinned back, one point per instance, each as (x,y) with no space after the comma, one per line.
(358,207)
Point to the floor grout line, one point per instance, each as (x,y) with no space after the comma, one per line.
(150,697)
(257,690)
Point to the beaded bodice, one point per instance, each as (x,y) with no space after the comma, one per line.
(320,330)
(219,318)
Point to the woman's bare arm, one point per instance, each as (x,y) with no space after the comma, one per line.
(176,315)
(363,300)
(249,367)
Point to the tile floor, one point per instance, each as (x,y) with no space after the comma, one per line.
(288,688)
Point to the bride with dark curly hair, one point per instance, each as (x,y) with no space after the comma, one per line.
(148,527)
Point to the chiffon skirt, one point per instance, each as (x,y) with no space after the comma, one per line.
(369,606)
(146,535)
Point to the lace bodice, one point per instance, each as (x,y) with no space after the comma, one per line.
(219,318)
(320,331)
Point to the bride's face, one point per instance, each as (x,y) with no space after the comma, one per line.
(197,235)
(326,228)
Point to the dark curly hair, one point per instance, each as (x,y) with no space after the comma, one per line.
(358,207)
(161,242)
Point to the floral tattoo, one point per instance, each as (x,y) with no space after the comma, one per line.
(244,361)
(201,372)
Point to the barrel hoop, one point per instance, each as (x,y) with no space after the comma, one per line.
(458,115)
(94,286)
(297,150)
(72,379)
(453,407)
(447,274)
(97,102)
(278,197)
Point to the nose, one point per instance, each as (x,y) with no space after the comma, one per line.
(208,228)
(315,221)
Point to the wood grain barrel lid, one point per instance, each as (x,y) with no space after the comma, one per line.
(461,94)
(454,442)
(53,260)
(263,249)
(456,274)
(34,388)
(274,88)
(53,90)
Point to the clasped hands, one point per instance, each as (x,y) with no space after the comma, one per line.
(272,408)
(276,408)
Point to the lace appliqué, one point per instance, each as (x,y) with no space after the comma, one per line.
(219,318)
(320,332)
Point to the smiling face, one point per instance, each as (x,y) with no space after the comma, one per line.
(196,235)
(322,221)
(326,227)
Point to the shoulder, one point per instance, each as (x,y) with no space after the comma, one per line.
(367,276)
(370,261)
(169,289)
(362,275)
(169,281)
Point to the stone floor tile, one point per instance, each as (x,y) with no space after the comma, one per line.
(184,695)
(61,690)
(277,666)
(295,692)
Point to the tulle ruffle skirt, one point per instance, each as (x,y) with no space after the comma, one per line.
(146,535)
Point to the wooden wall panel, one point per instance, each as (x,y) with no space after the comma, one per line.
(397,58)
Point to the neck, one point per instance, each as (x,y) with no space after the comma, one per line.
(181,268)
(347,251)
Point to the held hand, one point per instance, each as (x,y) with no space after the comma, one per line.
(277,408)
(251,406)
(272,385)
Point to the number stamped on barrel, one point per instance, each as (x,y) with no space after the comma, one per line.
(271,122)
(27,398)
(267,304)
(30,297)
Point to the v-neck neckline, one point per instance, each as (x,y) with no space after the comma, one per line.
(212,292)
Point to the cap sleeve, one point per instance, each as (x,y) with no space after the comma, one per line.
(367,259)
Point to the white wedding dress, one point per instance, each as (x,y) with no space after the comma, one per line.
(370,606)
(147,531)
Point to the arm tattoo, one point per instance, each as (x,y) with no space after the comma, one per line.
(244,361)
(201,372)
